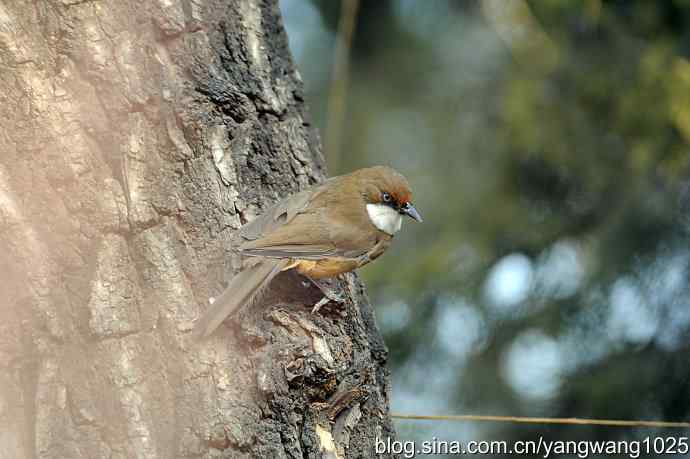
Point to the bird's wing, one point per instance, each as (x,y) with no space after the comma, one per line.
(304,226)
(281,213)
(309,236)
(303,251)
(305,236)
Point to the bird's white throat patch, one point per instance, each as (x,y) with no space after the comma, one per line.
(385,218)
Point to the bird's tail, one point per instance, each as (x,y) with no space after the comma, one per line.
(244,288)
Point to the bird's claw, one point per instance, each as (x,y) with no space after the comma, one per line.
(320,303)
(328,297)
(329,294)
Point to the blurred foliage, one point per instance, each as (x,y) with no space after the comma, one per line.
(569,172)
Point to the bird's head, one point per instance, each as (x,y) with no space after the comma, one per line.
(388,198)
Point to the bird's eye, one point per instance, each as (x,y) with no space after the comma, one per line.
(386,197)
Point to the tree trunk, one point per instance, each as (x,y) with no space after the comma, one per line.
(136,138)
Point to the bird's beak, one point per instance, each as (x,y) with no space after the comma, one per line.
(409,210)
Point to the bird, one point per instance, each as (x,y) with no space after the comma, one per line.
(320,232)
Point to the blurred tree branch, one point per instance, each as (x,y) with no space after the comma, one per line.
(339,82)
(521,32)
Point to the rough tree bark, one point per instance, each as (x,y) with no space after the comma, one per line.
(136,138)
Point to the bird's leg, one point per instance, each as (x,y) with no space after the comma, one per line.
(329,294)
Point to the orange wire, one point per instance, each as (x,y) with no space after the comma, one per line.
(529,420)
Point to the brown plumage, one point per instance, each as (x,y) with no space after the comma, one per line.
(329,229)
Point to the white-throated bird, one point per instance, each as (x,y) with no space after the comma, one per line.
(328,229)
